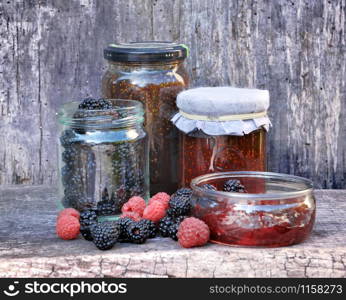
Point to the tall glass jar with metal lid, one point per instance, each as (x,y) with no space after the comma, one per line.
(103,156)
(153,73)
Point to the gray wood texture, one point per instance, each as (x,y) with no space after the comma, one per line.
(29,247)
(51,53)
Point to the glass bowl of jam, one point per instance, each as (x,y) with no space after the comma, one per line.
(259,209)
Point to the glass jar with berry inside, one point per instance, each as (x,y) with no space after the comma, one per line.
(153,73)
(103,154)
(222,129)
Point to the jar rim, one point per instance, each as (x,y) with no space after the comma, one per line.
(147,51)
(307,185)
(124,113)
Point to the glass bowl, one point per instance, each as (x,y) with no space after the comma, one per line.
(276,209)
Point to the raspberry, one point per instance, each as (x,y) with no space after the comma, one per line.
(132,215)
(161,197)
(69,212)
(193,232)
(135,204)
(155,211)
(67,227)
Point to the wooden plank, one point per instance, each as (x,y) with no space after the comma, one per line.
(30,248)
(51,53)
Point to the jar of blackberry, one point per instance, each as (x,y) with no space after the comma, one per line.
(103,154)
(222,129)
(153,73)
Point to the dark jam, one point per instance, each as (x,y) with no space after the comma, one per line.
(156,86)
(202,154)
(267,223)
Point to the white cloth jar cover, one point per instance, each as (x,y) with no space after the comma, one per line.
(222,110)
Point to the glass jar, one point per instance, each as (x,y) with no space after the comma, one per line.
(282,214)
(221,129)
(201,154)
(152,73)
(103,156)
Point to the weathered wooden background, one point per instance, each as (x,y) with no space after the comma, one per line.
(51,53)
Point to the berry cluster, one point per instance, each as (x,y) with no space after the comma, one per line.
(130,227)
(172,216)
(95,104)
(167,215)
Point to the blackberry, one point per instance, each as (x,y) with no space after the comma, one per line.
(179,206)
(209,187)
(106,206)
(120,194)
(69,156)
(79,202)
(85,232)
(87,219)
(91,107)
(76,180)
(138,232)
(168,226)
(95,104)
(233,185)
(173,229)
(66,174)
(126,168)
(183,192)
(105,195)
(164,225)
(124,223)
(151,227)
(67,137)
(117,201)
(105,234)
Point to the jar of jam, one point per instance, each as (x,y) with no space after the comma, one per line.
(222,129)
(281,215)
(153,73)
(103,154)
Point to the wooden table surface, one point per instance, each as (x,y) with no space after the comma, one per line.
(30,248)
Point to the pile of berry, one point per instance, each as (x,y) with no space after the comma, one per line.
(168,216)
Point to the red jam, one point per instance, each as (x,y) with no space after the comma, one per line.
(270,223)
(202,154)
